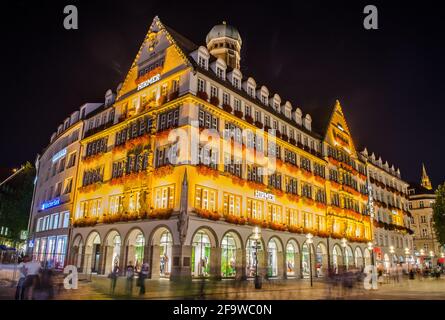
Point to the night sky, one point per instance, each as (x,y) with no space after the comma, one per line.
(390,81)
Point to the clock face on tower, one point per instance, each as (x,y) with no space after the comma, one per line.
(152,41)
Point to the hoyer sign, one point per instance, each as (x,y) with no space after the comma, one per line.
(264,195)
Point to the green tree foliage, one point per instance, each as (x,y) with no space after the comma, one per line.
(439,214)
(15,202)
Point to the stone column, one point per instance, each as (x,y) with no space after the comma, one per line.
(297,266)
(262,263)
(87,260)
(240,264)
(102,258)
(324,262)
(281,265)
(155,261)
(181,264)
(215,263)
(108,261)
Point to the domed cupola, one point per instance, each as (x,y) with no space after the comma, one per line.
(224,41)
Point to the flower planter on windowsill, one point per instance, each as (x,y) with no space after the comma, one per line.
(207,214)
(238,114)
(248,119)
(259,124)
(214,100)
(173,95)
(293,197)
(226,107)
(202,95)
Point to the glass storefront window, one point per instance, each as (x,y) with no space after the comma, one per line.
(166,253)
(290,259)
(273,259)
(228,256)
(201,255)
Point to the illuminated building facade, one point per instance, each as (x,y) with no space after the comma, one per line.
(428,250)
(54,191)
(392,234)
(198,155)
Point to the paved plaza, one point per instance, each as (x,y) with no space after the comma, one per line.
(98,288)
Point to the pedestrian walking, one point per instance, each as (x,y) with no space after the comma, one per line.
(21,281)
(130,277)
(32,269)
(113,276)
(143,274)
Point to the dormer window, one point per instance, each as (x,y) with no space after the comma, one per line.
(250,92)
(266,121)
(276,106)
(236,82)
(202,62)
(264,100)
(220,73)
(287,113)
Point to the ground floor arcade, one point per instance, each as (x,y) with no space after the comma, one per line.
(213,249)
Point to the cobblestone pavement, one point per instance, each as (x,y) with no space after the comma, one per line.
(99,289)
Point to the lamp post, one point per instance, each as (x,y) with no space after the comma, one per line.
(391,251)
(257,236)
(309,241)
(407,258)
(344,242)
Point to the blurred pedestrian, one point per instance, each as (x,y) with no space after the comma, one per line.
(113,276)
(32,269)
(143,274)
(44,288)
(130,277)
(21,281)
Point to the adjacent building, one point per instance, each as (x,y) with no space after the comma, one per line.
(392,234)
(55,185)
(421,198)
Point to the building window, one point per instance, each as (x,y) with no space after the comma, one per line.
(68,186)
(305,164)
(213,91)
(205,198)
(421,205)
(220,73)
(116,204)
(275,213)
(96,147)
(254,173)
(164,197)
(335,199)
(201,85)
(292,217)
(291,185)
(168,119)
(232,204)
(71,160)
(232,164)
(306,190)
(255,209)
(290,157)
(275,180)
(90,208)
(166,155)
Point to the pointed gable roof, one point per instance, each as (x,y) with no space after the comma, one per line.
(181,43)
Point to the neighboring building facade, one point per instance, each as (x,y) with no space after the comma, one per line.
(198,155)
(392,234)
(55,183)
(421,199)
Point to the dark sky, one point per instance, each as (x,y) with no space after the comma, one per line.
(390,81)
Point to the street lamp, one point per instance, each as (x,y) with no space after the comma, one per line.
(432,257)
(407,258)
(344,242)
(391,251)
(257,237)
